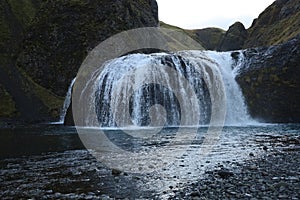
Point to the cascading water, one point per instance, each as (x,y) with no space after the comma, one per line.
(141,100)
(67,102)
(112,86)
(237,113)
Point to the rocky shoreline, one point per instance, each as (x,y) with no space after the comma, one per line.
(271,169)
(276,175)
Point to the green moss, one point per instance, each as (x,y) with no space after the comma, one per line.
(168,26)
(24,11)
(247,79)
(7,104)
(4,30)
(274,77)
(271,29)
(285,69)
(50,100)
(260,78)
(190,33)
(210,38)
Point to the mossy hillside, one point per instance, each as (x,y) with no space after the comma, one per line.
(52,103)
(234,38)
(169,26)
(63,32)
(209,38)
(50,39)
(7,104)
(276,34)
(24,11)
(277,24)
(15,17)
(32,102)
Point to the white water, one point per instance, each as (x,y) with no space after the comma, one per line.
(237,113)
(117,88)
(67,103)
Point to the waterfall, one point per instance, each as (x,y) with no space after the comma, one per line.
(144,67)
(120,96)
(67,103)
(237,113)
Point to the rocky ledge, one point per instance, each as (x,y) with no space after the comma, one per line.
(269,79)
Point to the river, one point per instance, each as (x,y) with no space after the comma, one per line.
(50,161)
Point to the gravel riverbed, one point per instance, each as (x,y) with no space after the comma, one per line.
(247,163)
(275,175)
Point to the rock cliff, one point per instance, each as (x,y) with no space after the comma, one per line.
(269,78)
(234,38)
(43,44)
(277,24)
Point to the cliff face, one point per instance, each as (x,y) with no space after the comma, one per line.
(269,78)
(63,33)
(43,44)
(270,81)
(19,96)
(277,24)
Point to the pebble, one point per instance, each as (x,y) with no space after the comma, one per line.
(274,176)
(116,172)
(225,173)
(253,167)
(195,194)
(265,148)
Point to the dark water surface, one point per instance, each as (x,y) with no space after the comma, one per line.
(49,161)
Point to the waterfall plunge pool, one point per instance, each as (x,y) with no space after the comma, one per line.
(50,161)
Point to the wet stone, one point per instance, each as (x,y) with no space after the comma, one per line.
(116,172)
(225,173)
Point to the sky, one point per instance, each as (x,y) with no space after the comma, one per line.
(196,14)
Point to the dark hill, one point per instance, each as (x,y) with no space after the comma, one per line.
(43,44)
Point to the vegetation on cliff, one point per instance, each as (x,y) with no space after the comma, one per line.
(7,105)
(269,79)
(63,32)
(234,38)
(209,38)
(43,44)
(279,23)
